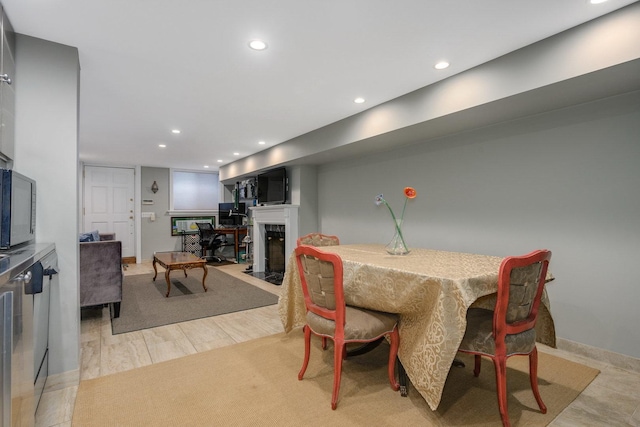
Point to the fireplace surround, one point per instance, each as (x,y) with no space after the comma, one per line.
(286,215)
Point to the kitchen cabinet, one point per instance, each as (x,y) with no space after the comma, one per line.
(7,91)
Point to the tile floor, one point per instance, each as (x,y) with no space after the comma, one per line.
(612,399)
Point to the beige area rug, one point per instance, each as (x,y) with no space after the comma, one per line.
(255,384)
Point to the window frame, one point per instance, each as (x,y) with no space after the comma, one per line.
(194,211)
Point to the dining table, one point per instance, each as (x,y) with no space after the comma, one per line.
(429,289)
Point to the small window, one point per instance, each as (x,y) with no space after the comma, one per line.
(194,191)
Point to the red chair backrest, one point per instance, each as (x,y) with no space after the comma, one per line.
(520,285)
(318,239)
(321,279)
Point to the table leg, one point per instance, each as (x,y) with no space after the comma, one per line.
(402,379)
(457,363)
(154,269)
(204,276)
(166,277)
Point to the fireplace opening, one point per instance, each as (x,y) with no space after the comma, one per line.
(274,253)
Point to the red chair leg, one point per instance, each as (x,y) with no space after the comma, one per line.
(501,384)
(478,363)
(307,350)
(533,376)
(393,353)
(339,349)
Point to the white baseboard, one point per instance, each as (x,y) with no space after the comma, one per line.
(63,380)
(618,360)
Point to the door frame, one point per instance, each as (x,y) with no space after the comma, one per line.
(137,209)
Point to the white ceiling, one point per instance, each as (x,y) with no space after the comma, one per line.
(149,66)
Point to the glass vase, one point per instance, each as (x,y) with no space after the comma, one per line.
(397,245)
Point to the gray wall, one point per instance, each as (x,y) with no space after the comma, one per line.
(47,78)
(303,191)
(156,235)
(566,180)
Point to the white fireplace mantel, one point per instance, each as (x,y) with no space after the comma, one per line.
(286,215)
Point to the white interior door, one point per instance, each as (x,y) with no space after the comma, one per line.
(109,204)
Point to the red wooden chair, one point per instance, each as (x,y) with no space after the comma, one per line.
(509,329)
(329,317)
(318,239)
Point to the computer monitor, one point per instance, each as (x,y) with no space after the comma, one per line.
(228,216)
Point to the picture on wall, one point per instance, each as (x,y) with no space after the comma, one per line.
(187,225)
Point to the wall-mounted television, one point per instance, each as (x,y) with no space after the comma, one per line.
(272,187)
(229,216)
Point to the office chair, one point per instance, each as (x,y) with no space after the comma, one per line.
(211,241)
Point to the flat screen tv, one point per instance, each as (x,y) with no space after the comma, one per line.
(272,187)
(227,215)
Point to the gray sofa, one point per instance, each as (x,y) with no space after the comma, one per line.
(101,273)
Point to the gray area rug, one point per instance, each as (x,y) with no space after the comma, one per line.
(144,304)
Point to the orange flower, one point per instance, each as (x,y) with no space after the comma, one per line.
(410,192)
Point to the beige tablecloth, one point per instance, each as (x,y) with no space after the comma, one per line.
(431,290)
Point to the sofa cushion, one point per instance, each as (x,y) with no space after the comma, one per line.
(86,237)
(107,236)
(91,236)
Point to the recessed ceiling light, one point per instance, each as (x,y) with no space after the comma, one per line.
(175,130)
(261,142)
(206,166)
(162,145)
(257,45)
(219,160)
(358,100)
(441,65)
(236,154)
(597,1)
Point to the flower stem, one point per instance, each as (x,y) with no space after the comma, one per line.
(395,221)
(403,208)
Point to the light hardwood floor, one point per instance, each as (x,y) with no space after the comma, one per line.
(612,399)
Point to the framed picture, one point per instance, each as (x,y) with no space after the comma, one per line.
(187,225)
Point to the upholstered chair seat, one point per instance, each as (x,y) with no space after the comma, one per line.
(479,338)
(360,324)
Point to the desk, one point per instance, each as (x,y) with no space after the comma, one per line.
(237,233)
(430,290)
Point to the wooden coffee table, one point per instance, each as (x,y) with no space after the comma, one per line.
(178,261)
